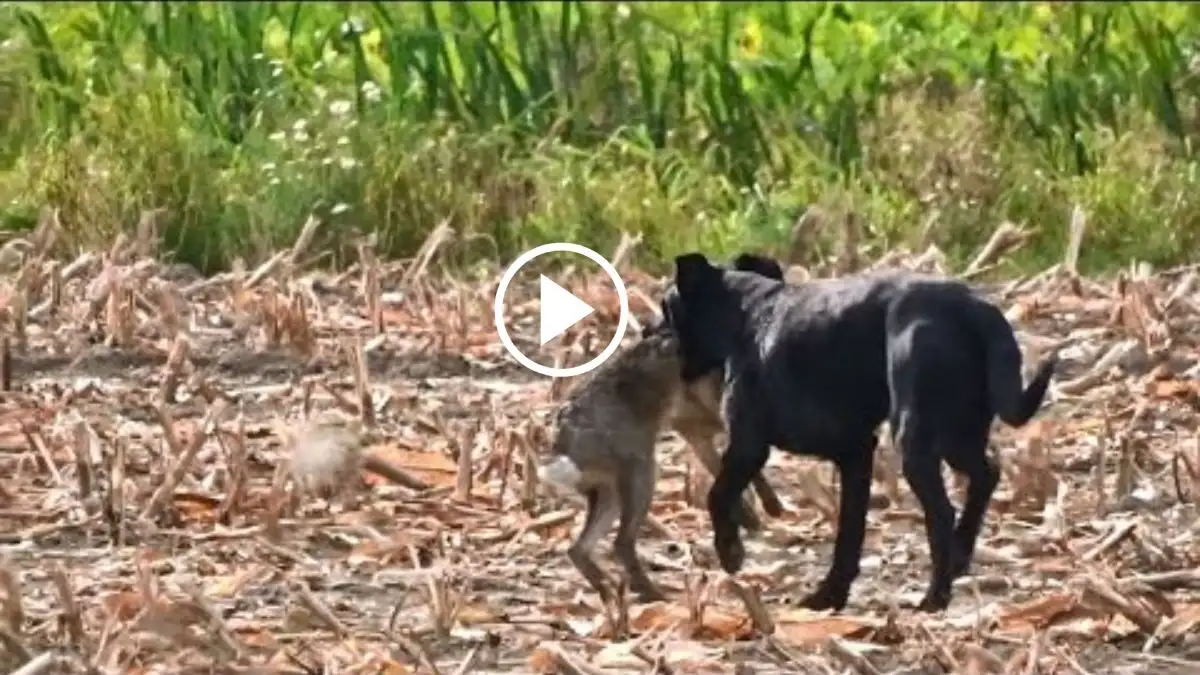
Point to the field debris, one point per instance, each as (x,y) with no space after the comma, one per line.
(284,470)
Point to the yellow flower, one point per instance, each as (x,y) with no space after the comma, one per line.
(750,40)
(372,41)
(1043,13)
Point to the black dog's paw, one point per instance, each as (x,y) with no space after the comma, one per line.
(935,601)
(827,596)
(731,553)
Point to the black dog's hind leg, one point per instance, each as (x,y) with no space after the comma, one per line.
(922,469)
(745,456)
(983,475)
(854,466)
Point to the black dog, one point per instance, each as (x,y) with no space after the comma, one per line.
(815,368)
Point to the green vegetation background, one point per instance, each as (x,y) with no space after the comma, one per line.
(702,125)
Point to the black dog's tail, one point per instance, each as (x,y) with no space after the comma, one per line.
(1011,403)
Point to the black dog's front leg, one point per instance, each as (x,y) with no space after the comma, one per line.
(854,466)
(744,458)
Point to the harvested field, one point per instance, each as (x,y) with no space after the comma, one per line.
(146,415)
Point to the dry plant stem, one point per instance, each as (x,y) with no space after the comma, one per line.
(851,659)
(439,236)
(1163,581)
(173,369)
(529,477)
(35,440)
(758,612)
(184,463)
(19,316)
(385,469)
(216,625)
(1003,239)
(5,364)
(13,644)
(264,271)
(320,610)
(340,400)
(410,643)
(624,250)
(42,663)
(1114,538)
(362,383)
(83,458)
(848,261)
(981,661)
(303,240)
(1136,612)
(237,472)
(1078,225)
(566,665)
(1101,473)
(468,663)
(800,242)
(370,283)
(71,616)
(114,504)
(167,421)
(14,607)
(1037,645)
(463,479)
(145,243)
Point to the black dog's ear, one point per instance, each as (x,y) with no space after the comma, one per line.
(693,272)
(759,264)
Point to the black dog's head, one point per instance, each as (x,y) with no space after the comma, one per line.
(743,262)
(692,306)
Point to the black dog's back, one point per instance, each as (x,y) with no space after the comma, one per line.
(844,391)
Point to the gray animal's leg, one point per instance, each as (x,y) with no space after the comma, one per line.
(854,466)
(702,448)
(635,485)
(603,508)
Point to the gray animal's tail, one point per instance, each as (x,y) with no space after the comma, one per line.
(561,472)
(1011,403)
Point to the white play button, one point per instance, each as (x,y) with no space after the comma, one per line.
(559,310)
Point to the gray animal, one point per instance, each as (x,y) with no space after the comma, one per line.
(603,448)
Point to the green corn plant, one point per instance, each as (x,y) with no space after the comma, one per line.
(1163,59)
(55,80)
(216,56)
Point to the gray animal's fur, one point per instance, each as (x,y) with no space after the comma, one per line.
(604,450)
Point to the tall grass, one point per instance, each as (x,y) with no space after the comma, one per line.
(702,124)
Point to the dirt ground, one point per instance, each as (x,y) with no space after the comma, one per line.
(147,414)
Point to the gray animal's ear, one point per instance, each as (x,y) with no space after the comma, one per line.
(759,264)
(693,272)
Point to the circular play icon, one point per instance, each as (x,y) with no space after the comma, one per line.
(559,309)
